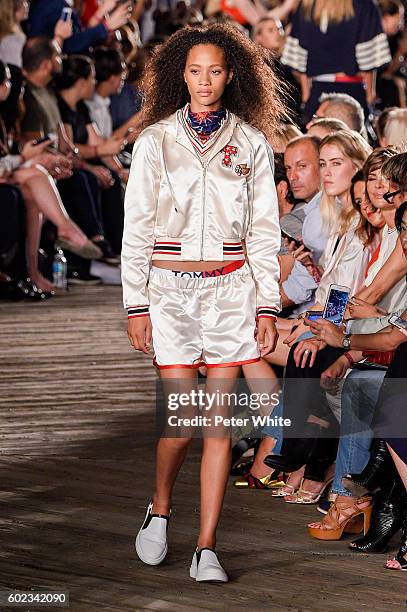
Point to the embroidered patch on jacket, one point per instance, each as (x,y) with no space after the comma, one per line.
(228,151)
(167,248)
(242,169)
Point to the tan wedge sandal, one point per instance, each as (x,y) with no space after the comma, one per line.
(345,515)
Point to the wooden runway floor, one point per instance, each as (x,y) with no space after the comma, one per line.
(76,467)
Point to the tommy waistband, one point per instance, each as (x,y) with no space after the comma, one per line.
(235,265)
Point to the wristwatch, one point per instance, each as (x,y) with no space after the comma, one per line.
(346,341)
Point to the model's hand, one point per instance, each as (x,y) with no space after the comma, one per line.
(267,335)
(307,349)
(327,331)
(334,374)
(359,309)
(139,333)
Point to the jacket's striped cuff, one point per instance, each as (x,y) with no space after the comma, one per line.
(266,312)
(138,311)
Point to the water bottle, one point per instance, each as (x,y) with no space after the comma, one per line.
(59,270)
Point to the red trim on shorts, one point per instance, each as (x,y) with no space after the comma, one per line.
(143,314)
(203,364)
(178,365)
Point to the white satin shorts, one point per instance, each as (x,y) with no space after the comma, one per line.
(203,321)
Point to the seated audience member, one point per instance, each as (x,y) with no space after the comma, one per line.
(45,16)
(125,106)
(111,74)
(27,167)
(391,85)
(286,200)
(80,192)
(380,124)
(385,282)
(301,160)
(269,33)
(344,107)
(395,129)
(76,84)
(285,133)
(324,127)
(12,37)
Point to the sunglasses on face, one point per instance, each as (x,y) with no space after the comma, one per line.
(389,195)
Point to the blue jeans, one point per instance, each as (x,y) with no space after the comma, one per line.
(277,431)
(359,397)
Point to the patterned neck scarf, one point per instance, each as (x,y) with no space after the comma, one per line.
(207,122)
(202,129)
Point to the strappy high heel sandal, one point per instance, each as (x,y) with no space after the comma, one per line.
(248,481)
(286,487)
(302,496)
(338,520)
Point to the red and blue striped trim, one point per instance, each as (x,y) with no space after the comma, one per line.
(138,311)
(232,248)
(167,248)
(266,312)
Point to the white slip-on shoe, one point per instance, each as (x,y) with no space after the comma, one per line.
(205,567)
(151,540)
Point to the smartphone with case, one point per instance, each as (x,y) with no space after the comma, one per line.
(401,324)
(336,303)
(298,243)
(314,315)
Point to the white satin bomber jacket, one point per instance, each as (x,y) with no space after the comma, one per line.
(180,206)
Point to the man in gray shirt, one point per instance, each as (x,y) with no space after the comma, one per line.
(301,160)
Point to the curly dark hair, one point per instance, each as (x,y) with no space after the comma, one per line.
(254,93)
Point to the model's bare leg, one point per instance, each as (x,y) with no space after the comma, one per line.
(261,378)
(216,458)
(171,452)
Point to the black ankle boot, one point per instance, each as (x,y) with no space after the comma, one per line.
(374,473)
(295,452)
(239,466)
(387,517)
(403,545)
